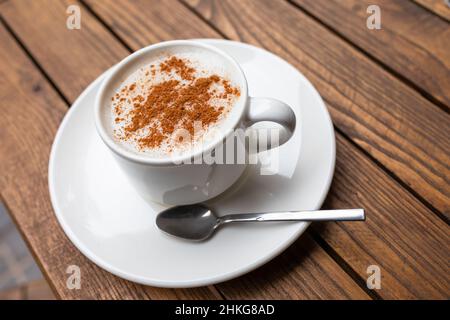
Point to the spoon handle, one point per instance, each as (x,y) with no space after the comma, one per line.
(314,215)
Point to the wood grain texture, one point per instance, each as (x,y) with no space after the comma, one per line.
(416,255)
(308,257)
(143,22)
(400,235)
(66,64)
(392,122)
(285,277)
(31,112)
(439,7)
(403,43)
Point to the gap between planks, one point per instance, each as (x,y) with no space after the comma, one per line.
(445,19)
(33,60)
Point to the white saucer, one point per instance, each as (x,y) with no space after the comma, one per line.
(110,224)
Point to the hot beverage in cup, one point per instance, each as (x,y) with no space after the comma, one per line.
(172,104)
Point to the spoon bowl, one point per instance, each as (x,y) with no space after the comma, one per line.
(193,222)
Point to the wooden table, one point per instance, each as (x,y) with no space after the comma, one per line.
(388,92)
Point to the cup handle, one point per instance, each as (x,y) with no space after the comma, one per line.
(269,109)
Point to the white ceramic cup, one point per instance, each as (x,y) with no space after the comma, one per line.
(170,180)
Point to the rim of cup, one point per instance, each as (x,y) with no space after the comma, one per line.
(103,100)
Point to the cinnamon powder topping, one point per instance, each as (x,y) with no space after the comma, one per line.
(179,66)
(180,101)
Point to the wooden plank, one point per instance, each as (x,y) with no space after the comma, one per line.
(145,22)
(41,20)
(393,123)
(403,43)
(285,277)
(86,43)
(31,112)
(400,235)
(439,7)
(382,116)
(394,285)
(140,23)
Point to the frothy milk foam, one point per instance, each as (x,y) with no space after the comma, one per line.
(154,138)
